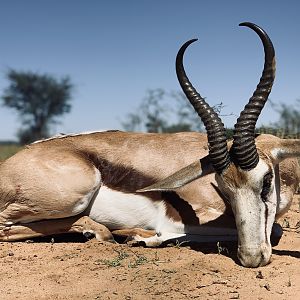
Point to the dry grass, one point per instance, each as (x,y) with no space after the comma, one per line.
(7,150)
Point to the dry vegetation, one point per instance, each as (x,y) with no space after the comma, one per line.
(7,150)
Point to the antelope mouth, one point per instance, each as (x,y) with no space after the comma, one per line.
(254,256)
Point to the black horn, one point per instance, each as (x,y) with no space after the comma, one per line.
(243,150)
(216,135)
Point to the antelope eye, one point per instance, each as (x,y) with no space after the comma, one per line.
(267,181)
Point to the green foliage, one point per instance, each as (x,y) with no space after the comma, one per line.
(38,99)
(221,249)
(161,112)
(116,261)
(229,133)
(138,261)
(289,118)
(132,260)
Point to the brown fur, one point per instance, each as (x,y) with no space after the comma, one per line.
(48,179)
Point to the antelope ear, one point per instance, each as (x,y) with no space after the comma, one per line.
(182,177)
(286,149)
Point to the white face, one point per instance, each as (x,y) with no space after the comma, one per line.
(253,199)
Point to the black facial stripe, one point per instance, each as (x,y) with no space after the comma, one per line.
(266,221)
(267,181)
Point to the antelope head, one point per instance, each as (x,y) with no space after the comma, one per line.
(245,169)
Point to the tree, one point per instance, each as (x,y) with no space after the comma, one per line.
(39,100)
(289,118)
(161,111)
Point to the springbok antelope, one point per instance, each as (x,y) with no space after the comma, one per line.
(157,187)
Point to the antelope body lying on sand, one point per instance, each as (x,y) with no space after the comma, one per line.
(95,183)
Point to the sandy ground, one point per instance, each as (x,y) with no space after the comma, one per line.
(59,269)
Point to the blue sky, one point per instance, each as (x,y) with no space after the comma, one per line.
(115,50)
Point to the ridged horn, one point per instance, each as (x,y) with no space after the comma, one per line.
(243,150)
(216,135)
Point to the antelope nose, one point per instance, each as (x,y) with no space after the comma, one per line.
(253,257)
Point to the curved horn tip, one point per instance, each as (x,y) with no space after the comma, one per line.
(192,40)
(256,28)
(186,44)
(250,25)
(246,24)
(183,48)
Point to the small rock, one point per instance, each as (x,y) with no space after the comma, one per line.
(234,295)
(259,275)
(280,292)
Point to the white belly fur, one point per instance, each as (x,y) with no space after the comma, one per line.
(118,210)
